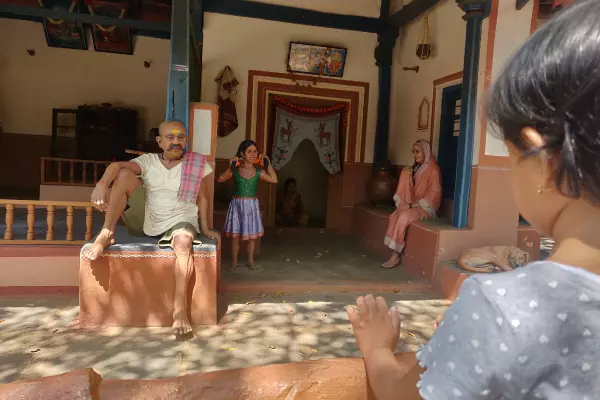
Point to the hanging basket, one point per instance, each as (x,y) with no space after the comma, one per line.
(424,47)
(424,51)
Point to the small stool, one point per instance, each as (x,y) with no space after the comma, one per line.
(133,284)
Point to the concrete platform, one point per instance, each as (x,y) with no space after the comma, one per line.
(132,283)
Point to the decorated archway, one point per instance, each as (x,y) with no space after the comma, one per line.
(319,92)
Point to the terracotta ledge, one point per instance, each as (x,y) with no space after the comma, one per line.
(325,286)
(342,379)
(10,291)
(448,279)
(35,250)
(430,224)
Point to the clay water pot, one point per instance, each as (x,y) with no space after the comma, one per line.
(382,186)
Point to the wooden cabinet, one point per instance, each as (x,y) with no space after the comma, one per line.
(105,132)
(99,132)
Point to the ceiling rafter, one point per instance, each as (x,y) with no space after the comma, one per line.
(275,12)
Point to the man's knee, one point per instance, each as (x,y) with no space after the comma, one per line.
(126,180)
(182,243)
(125,176)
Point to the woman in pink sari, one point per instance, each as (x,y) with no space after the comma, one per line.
(417,197)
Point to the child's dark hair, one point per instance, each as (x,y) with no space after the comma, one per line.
(552,84)
(244,146)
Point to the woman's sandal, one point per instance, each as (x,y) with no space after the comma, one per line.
(385,265)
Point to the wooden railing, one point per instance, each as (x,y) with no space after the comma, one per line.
(51,207)
(72,172)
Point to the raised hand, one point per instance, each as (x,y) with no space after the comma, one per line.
(100,196)
(375,326)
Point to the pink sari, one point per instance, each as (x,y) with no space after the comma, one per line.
(424,188)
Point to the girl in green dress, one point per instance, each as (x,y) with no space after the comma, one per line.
(243,216)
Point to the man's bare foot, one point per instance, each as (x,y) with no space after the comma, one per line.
(103,240)
(392,262)
(181,324)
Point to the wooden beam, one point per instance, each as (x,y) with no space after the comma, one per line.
(293,15)
(197,20)
(411,11)
(15,11)
(152,34)
(197,41)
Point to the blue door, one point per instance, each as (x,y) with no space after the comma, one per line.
(448,143)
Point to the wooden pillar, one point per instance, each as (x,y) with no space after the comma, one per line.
(383,56)
(178,87)
(197,18)
(475,12)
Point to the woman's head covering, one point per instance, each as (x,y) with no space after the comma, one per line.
(428,159)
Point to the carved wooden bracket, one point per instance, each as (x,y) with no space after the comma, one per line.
(416,69)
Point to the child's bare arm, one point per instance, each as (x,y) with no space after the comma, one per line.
(390,379)
(270,175)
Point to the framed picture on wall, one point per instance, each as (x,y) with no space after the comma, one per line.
(110,38)
(62,33)
(316,59)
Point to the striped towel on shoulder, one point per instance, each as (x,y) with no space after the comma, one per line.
(191,177)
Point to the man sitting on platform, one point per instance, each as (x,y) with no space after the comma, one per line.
(176,205)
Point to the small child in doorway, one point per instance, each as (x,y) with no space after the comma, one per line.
(243,220)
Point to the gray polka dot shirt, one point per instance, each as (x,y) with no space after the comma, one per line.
(532,333)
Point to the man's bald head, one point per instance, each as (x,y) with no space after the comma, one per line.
(174,127)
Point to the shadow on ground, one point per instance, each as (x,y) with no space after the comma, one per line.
(37,340)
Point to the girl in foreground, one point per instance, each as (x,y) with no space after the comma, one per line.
(243,216)
(533,332)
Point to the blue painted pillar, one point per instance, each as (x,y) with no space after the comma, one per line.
(178,89)
(475,12)
(383,56)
